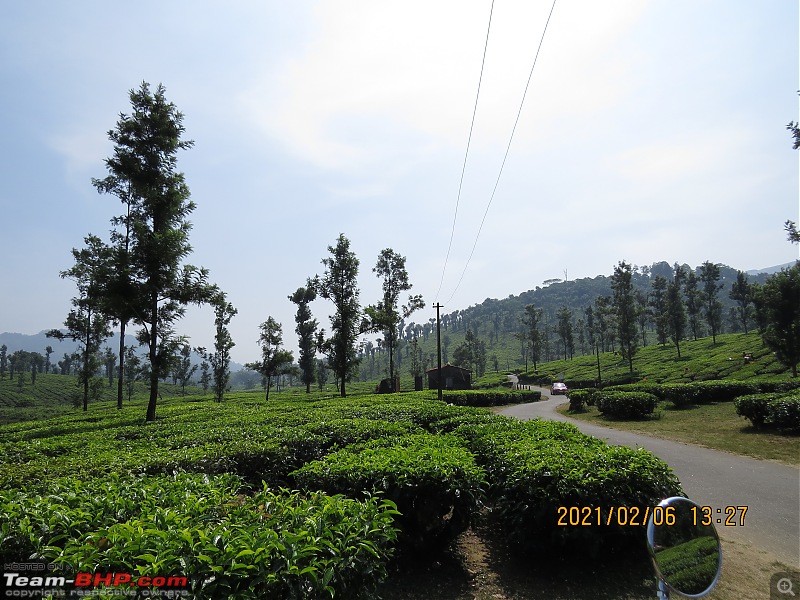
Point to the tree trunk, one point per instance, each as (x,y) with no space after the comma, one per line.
(151,405)
(121,374)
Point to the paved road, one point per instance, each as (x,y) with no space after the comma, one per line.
(770,490)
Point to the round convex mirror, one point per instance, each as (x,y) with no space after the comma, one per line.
(684,546)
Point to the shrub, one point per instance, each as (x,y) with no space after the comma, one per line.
(625,405)
(490,397)
(701,392)
(579,398)
(781,411)
(432,479)
(533,468)
(226,543)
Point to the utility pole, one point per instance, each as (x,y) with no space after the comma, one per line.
(439,350)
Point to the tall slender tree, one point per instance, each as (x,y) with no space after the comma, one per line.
(742,294)
(625,307)
(658,304)
(693,302)
(339,284)
(155,285)
(87,323)
(565,331)
(220,359)
(532,334)
(306,330)
(676,313)
(275,360)
(712,307)
(387,315)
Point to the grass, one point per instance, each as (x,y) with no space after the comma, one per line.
(700,360)
(713,425)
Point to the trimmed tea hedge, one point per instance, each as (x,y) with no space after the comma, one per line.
(490,397)
(432,479)
(536,467)
(226,543)
(781,411)
(625,405)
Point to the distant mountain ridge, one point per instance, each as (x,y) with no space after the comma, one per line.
(770,270)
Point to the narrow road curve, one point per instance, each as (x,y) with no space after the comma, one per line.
(770,490)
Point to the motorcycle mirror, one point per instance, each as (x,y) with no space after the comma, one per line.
(685,548)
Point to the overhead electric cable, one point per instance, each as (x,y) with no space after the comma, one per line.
(508,148)
(466,154)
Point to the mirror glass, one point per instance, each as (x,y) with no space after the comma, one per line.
(686,552)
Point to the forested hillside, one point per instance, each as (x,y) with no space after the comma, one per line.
(497,328)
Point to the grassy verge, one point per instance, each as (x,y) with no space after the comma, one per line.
(711,425)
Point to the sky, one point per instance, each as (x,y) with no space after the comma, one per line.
(649,131)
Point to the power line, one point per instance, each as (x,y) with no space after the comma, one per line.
(466,154)
(508,148)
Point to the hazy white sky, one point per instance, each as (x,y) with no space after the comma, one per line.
(651,131)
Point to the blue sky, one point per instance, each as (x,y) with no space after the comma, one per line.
(651,131)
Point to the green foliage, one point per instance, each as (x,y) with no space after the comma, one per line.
(340,285)
(430,455)
(625,405)
(580,398)
(702,360)
(690,567)
(226,542)
(535,467)
(779,301)
(432,479)
(490,397)
(779,411)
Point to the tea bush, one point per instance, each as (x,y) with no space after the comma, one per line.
(625,405)
(535,467)
(490,397)
(781,411)
(227,544)
(432,479)
(581,397)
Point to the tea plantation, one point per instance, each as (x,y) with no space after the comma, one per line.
(302,498)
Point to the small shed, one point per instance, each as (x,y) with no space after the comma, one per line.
(453,378)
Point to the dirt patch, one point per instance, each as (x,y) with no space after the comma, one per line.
(480,566)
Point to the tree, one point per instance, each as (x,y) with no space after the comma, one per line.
(306,330)
(36,364)
(676,313)
(47,352)
(339,284)
(531,319)
(386,316)
(322,374)
(693,302)
(205,375)
(779,299)
(658,303)
(87,323)
(220,359)
(109,362)
(565,331)
(712,307)
(3,361)
(275,360)
(625,307)
(155,285)
(185,368)
(133,371)
(742,294)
